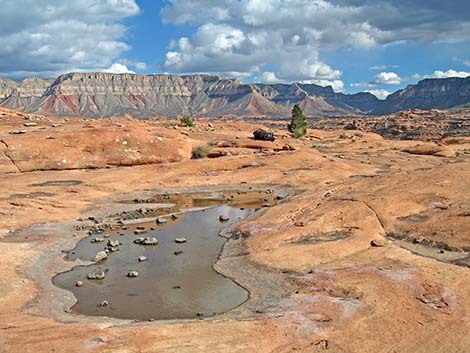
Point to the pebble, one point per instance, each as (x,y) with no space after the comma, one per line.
(178,252)
(98,274)
(180,240)
(100,256)
(161,220)
(113,243)
(132,274)
(223,218)
(142,258)
(104,303)
(79,284)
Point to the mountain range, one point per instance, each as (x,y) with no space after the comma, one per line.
(106,94)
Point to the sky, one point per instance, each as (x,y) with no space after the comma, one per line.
(377,46)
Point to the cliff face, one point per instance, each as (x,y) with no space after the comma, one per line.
(428,94)
(105,94)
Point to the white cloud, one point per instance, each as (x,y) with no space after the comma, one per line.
(287,37)
(117,68)
(138,65)
(387,78)
(268,77)
(49,37)
(379,93)
(383,67)
(337,85)
(449,73)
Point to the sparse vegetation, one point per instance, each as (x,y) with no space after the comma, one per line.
(186,121)
(199,152)
(298,124)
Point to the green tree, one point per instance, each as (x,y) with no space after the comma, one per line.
(298,124)
(186,120)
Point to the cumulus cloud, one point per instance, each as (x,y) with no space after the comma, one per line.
(387,78)
(117,68)
(49,37)
(282,40)
(379,93)
(449,73)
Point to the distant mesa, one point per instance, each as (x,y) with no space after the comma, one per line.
(106,94)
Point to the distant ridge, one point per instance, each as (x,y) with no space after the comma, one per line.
(106,94)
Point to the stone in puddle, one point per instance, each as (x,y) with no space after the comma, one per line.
(180,240)
(146,241)
(161,220)
(142,258)
(104,303)
(174,217)
(100,256)
(97,240)
(132,274)
(223,218)
(112,243)
(79,284)
(178,252)
(140,231)
(97,274)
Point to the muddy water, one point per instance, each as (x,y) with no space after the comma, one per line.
(169,286)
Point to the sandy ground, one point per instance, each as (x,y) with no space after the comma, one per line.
(330,289)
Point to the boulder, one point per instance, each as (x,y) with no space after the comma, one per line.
(263,135)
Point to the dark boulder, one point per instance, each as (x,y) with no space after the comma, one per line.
(263,135)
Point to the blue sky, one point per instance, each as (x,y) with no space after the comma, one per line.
(352,45)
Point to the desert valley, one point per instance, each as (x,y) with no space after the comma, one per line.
(353,238)
(234,176)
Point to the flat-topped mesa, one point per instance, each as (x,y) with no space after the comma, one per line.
(99,94)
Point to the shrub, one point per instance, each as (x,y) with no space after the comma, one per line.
(298,124)
(199,152)
(186,120)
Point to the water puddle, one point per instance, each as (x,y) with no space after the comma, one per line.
(175,278)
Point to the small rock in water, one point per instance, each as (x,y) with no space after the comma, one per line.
(97,274)
(100,256)
(140,231)
(223,218)
(132,274)
(113,243)
(79,284)
(142,258)
(97,240)
(141,228)
(176,287)
(146,241)
(104,303)
(178,252)
(161,220)
(174,217)
(106,236)
(180,240)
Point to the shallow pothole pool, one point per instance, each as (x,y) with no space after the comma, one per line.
(173,279)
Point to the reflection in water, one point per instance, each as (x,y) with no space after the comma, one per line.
(169,286)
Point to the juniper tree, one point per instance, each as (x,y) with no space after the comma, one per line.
(298,124)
